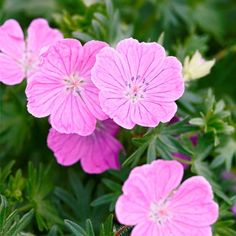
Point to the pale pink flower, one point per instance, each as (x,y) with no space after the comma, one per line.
(157,205)
(63,90)
(97,152)
(138,83)
(19,57)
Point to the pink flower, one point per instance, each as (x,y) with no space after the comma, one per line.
(138,83)
(19,57)
(97,152)
(157,205)
(63,89)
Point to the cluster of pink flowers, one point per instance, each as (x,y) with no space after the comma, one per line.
(80,87)
(88,92)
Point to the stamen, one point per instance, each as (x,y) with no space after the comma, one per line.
(135,88)
(159,212)
(74,84)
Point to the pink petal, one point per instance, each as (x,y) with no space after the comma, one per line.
(110,70)
(145,185)
(98,152)
(143,59)
(110,126)
(168,84)
(148,229)
(180,229)
(169,229)
(70,115)
(156,180)
(47,96)
(103,155)
(42,93)
(154,112)
(193,204)
(67,148)
(130,212)
(90,94)
(40,35)
(133,206)
(166,176)
(117,108)
(11,72)
(62,58)
(145,114)
(91,49)
(12,39)
(91,99)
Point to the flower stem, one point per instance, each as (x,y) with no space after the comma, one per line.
(122,230)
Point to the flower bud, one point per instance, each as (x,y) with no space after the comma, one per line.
(196,67)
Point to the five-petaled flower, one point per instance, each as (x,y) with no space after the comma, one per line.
(157,205)
(96,152)
(63,90)
(138,83)
(19,58)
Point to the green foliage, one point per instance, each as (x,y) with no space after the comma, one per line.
(106,228)
(161,141)
(100,22)
(225,224)
(11,224)
(38,188)
(214,118)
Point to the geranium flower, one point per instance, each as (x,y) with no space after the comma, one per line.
(96,152)
(138,83)
(19,57)
(157,205)
(63,89)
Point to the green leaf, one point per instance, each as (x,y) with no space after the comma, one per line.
(11,224)
(201,168)
(136,155)
(112,185)
(75,228)
(151,151)
(180,127)
(89,228)
(163,150)
(225,154)
(107,227)
(161,38)
(105,199)
(197,121)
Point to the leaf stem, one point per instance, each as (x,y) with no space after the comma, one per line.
(183,161)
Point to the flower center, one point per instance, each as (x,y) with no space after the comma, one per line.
(29,62)
(159,212)
(74,83)
(135,89)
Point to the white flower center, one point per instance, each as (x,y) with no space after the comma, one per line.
(135,89)
(74,83)
(159,212)
(29,62)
